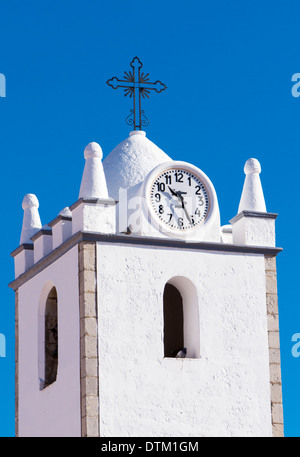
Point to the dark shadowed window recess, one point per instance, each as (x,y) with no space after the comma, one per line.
(51,338)
(173,321)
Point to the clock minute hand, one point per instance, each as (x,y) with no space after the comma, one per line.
(186,212)
(180,197)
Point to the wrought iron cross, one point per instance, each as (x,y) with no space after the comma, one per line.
(136,85)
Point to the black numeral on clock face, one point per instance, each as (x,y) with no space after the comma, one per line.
(161,187)
(179,177)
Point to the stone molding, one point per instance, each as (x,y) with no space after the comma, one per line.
(274,346)
(17,363)
(89,379)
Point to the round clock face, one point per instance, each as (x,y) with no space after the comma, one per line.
(179,199)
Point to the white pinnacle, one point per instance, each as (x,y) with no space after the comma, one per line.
(93,184)
(65,212)
(31,218)
(252,196)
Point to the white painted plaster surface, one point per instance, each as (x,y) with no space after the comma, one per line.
(255,231)
(130,161)
(226,234)
(93,183)
(226,391)
(91,217)
(23,261)
(42,247)
(54,411)
(31,218)
(61,231)
(252,198)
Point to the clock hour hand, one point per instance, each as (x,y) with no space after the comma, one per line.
(173,192)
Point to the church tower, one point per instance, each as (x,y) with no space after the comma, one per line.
(137,314)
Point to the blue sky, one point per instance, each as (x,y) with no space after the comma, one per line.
(228,67)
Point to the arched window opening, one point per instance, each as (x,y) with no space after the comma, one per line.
(181,319)
(51,339)
(173,321)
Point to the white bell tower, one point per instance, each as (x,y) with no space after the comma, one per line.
(138,315)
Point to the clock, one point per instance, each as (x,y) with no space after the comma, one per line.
(178,197)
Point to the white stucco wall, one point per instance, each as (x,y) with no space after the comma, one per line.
(54,411)
(226,391)
(255,231)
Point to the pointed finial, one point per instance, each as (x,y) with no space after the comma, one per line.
(93,184)
(65,212)
(31,218)
(252,196)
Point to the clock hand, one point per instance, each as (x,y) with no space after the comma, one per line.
(186,212)
(173,191)
(179,195)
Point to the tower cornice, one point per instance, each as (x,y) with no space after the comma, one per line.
(142,241)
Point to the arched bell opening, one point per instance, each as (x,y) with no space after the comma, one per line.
(181,319)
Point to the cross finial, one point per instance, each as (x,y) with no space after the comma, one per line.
(136,85)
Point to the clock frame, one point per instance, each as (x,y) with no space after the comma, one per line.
(178,198)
